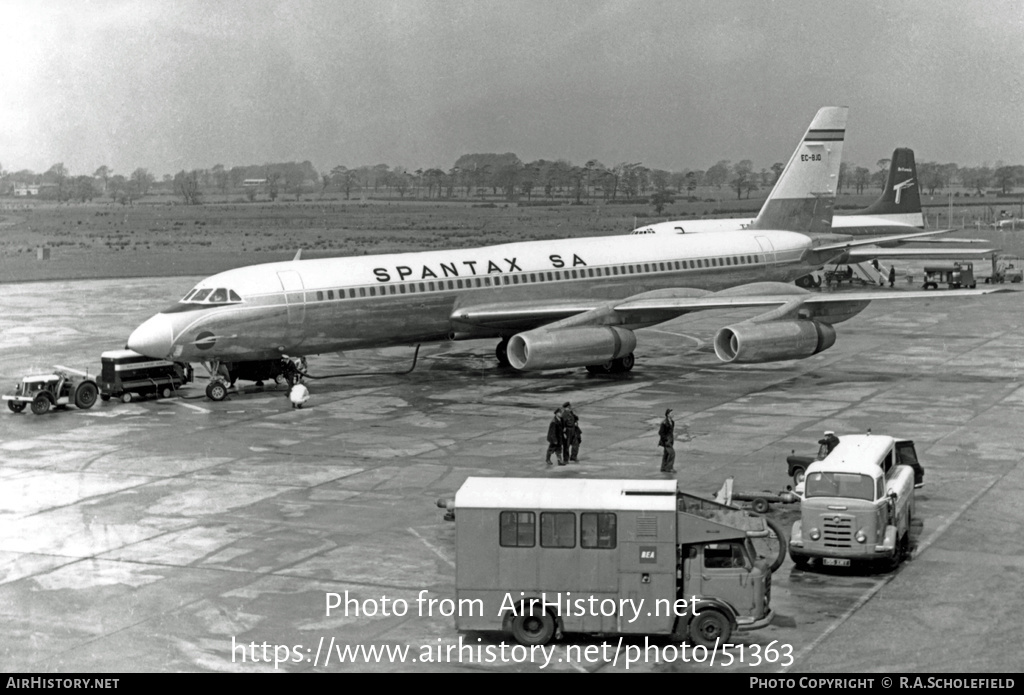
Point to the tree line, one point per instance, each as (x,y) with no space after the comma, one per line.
(482,176)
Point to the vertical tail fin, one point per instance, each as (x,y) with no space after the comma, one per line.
(900,201)
(804,195)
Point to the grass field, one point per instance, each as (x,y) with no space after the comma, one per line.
(99,240)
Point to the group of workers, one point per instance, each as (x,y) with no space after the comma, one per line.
(564,435)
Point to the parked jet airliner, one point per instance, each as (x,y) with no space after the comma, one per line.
(552,303)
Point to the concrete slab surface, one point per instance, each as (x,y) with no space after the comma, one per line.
(183,534)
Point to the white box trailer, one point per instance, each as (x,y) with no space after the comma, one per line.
(541,557)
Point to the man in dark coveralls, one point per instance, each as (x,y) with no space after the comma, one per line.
(666,440)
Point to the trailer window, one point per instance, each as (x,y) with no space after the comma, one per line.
(517,529)
(557,530)
(597,529)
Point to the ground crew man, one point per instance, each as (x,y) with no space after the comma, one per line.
(571,433)
(666,440)
(555,438)
(892,275)
(826,444)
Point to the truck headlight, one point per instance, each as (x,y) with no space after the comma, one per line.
(861,536)
(815,534)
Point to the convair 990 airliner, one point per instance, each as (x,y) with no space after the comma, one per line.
(552,304)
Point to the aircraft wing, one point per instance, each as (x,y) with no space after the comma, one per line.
(517,315)
(867,253)
(869,241)
(654,307)
(803,297)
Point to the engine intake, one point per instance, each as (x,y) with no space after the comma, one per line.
(569,347)
(773,341)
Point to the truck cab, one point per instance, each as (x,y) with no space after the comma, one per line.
(540,557)
(858,504)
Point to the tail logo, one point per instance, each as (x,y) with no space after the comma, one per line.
(898,188)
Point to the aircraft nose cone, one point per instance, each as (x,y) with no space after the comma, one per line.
(153,338)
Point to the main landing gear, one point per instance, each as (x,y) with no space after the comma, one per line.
(501,352)
(616,366)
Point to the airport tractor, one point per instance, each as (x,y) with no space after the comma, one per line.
(858,503)
(541,557)
(60,389)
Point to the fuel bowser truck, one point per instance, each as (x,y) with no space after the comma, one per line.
(537,558)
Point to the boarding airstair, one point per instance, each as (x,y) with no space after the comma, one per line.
(867,273)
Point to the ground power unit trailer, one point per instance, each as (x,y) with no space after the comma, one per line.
(540,557)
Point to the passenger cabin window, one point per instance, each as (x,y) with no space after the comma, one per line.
(597,530)
(557,530)
(517,529)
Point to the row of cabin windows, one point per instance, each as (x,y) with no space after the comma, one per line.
(557,529)
(529,278)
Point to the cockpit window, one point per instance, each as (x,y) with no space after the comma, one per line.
(211,296)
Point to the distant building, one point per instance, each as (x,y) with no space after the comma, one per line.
(24,190)
(252,183)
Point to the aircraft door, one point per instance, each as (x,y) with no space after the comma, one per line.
(767,249)
(295,297)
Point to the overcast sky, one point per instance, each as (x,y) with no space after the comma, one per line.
(170,84)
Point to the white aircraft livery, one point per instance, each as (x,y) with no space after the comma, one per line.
(552,304)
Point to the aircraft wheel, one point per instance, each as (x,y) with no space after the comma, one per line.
(126,397)
(40,405)
(623,364)
(605,368)
(216,391)
(85,396)
(15,406)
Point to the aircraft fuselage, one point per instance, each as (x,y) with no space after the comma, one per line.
(308,307)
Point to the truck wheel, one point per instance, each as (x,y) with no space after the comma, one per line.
(537,627)
(710,629)
(800,560)
(799,473)
(216,391)
(104,397)
(40,405)
(15,406)
(165,392)
(85,396)
(126,397)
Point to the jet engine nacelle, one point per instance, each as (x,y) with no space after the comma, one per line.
(569,347)
(773,341)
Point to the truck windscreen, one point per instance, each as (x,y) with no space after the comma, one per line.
(850,485)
